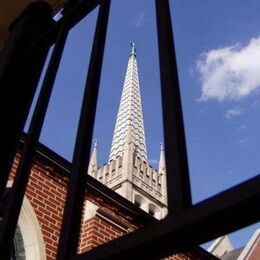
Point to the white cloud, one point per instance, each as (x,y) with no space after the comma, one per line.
(233,112)
(139,20)
(230,73)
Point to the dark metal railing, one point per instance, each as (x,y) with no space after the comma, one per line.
(77,185)
(179,195)
(11,213)
(186,224)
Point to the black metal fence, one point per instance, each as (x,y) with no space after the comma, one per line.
(21,62)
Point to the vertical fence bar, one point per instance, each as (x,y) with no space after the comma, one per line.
(15,198)
(19,74)
(178,184)
(76,191)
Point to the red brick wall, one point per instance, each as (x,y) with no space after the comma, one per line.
(46,192)
(96,232)
(185,256)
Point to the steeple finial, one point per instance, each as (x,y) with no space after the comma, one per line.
(95,143)
(133,50)
(161,146)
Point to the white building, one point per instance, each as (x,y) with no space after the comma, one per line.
(128,172)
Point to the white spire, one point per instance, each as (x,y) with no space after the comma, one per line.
(130,115)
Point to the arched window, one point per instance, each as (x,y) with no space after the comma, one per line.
(28,242)
(17,248)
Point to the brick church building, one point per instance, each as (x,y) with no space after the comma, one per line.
(121,196)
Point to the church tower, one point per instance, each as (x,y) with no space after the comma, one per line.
(128,172)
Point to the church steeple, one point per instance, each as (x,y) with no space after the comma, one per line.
(128,171)
(130,116)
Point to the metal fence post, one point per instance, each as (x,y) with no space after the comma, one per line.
(20,68)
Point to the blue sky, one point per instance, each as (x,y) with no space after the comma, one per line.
(218,55)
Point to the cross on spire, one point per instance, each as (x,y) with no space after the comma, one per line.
(133,50)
